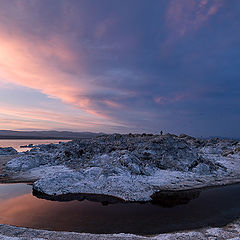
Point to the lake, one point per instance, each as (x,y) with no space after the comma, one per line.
(210,207)
(16,143)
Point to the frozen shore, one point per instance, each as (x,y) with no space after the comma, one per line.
(229,232)
(129,167)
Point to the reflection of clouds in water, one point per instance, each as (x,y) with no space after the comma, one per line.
(13,190)
(214,207)
(25,210)
(13,205)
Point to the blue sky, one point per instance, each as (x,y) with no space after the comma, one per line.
(121,66)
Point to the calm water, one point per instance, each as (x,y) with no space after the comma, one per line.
(212,207)
(21,142)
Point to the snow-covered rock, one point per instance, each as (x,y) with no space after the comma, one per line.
(26,162)
(7,151)
(2,237)
(131,167)
(92,180)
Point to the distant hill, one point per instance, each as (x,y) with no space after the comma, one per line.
(222,138)
(8,134)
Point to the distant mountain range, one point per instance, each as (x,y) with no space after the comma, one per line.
(8,134)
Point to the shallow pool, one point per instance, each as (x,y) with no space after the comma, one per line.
(211,207)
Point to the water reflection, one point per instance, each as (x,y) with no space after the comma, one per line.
(16,143)
(172,198)
(214,207)
(164,199)
(103,199)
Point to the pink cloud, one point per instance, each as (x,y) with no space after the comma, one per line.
(41,64)
(37,118)
(113,104)
(186,16)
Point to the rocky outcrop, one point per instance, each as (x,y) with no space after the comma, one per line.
(27,161)
(7,151)
(131,167)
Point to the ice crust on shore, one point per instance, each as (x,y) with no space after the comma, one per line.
(229,232)
(130,167)
(7,151)
(2,237)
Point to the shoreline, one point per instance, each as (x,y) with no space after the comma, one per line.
(231,231)
(172,188)
(184,233)
(9,180)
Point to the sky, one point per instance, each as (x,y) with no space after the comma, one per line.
(121,66)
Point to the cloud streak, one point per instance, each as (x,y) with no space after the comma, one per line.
(50,67)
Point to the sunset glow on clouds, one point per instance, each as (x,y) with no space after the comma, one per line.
(120,65)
